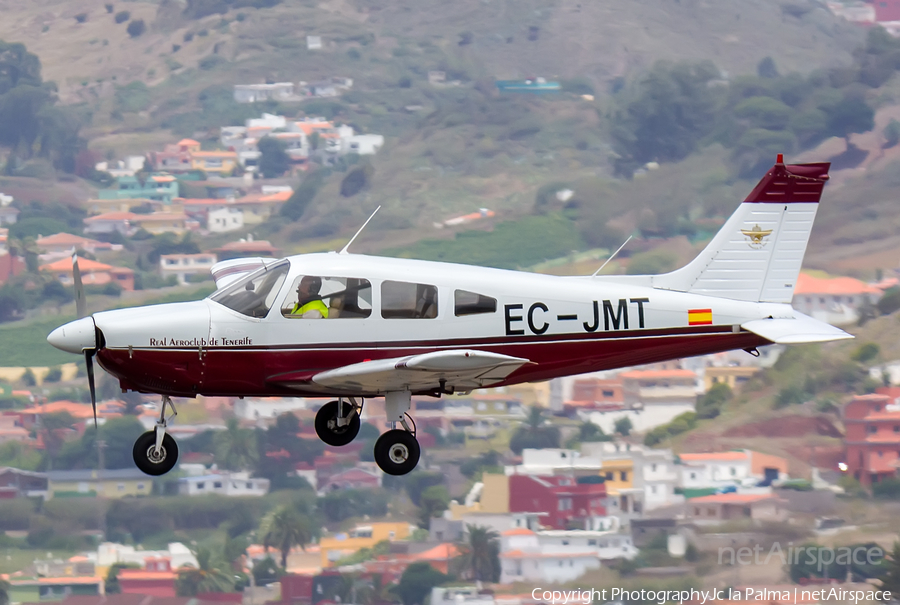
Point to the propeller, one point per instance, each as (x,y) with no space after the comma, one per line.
(81,311)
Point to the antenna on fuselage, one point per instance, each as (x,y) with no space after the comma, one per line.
(612,256)
(344,249)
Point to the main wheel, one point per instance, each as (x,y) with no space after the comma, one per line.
(154,462)
(397,452)
(327,427)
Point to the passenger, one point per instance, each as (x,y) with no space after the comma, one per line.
(309,303)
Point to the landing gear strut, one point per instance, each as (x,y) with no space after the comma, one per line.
(397,451)
(337,422)
(155,452)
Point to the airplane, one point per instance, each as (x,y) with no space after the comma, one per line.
(394,328)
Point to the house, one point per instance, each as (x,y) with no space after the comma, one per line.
(569,501)
(596,393)
(127,167)
(184,265)
(30,417)
(176,554)
(11,429)
(368,535)
(254,93)
(10,266)
(16,483)
(60,245)
(523,560)
(110,222)
(351,478)
(222,220)
(248,247)
(255,408)
(155,583)
(717,508)
(872,439)
(44,589)
(92,273)
(736,467)
(223,484)
(8,215)
(733,376)
(161,222)
(222,163)
(109,483)
(161,187)
(834,300)
(676,387)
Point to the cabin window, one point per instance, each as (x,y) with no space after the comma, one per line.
(403,300)
(254,294)
(317,297)
(472,303)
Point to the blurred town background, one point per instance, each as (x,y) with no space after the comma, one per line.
(158,137)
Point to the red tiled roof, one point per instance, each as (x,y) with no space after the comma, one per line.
(807,284)
(66,239)
(713,456)
(518,531)
(159,216)
(86,265)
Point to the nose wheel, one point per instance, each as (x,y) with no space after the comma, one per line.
(337,422)
(155,452)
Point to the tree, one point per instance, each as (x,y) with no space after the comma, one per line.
(417,581)
(136,28)
(890,580)
(849,115)
(535,433)
(710,403)
(623,426)
(4,592)
(52,428)
(209,576)
(283,529)
(766,68)
(434,501)
(235,447)
(122,16)
(481,556)
(357,179)
(273,159)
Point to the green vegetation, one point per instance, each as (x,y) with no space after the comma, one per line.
(534,433)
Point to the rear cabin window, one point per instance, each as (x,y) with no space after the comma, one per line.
(403,300)
(472,303)
(318,297)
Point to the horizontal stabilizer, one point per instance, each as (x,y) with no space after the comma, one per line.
(799,329)
(457,369)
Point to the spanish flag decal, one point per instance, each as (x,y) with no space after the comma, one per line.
(700,317)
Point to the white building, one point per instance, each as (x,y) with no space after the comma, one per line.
(524,559)
(184,265)
(254,408)
(222,220)
(833,300)
(253,93)
(223,484)
(733,468)
(460,595)
(365,144)
(109,553)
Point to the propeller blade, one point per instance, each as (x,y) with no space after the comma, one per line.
(89,362)
(80,302)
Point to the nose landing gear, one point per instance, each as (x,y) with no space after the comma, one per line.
(155,452)
(397,451)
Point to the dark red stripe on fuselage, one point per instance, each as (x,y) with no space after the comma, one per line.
(281,370)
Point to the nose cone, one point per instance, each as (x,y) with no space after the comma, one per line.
(75,336)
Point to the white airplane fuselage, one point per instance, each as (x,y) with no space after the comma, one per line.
(562,325)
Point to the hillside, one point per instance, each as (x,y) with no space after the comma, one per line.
(599,41)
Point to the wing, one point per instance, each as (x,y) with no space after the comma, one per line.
(800,328)
(458,370)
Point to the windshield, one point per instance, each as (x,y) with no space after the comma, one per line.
(254,294)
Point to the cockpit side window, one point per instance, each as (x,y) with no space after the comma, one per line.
(408,301)
(322,297)
(254,294)
(472,303)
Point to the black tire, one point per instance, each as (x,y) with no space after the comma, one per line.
(147,461)
(327,428)
(397,452)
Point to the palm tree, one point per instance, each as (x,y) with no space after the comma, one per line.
(209,576)
(4,592)
(482,554)
(235,447)
(52,428)
(890,581)
(283,529)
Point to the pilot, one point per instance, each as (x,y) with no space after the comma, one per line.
(309,303)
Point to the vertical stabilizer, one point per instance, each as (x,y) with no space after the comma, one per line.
(756,256)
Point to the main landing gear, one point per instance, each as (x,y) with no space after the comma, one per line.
(155,452)
(396,451)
